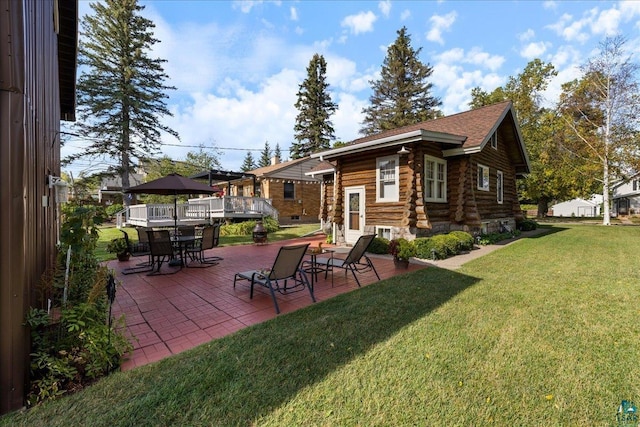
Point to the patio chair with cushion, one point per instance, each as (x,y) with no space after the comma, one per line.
(161,250)
(284,276)
(356,260)
(138,249)
(210,239)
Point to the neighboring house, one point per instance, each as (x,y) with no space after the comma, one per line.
(110,190)
(578,207)
(453,173)
(294,194)
(38,42)
(626,197)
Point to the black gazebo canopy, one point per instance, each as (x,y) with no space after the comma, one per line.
(216,175)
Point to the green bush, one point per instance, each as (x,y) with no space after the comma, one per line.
(440,246)
(379,245)
(245,228)
(402,249)
(493,238)
(113,209)
(465,240)
(527,225)
(79,343)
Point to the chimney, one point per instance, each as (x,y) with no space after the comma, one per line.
(275,160)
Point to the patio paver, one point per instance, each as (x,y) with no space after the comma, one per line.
(172,313)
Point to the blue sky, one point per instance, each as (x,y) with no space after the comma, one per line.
(237,65)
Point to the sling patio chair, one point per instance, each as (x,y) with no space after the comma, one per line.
(161,250)
(356,260)
(286,268)
(210,239)
(138,249)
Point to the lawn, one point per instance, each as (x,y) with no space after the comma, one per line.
(542,332)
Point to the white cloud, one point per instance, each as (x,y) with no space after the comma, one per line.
(406,14)
(527,35)
(245,6)
(440,23)
(553,5)
(474,56)
(293,13)
(385,7)
(534,50)
(360,23)
(607,22)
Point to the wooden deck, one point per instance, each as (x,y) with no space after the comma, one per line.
(196,211)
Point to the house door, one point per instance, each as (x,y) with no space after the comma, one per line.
(354,213)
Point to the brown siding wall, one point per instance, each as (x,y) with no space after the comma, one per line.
(29,152)
(305,205)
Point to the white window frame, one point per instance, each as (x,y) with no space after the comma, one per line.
(494,140)
(500,187)
(396,178)
(380,234)
(483,184)
(435,180)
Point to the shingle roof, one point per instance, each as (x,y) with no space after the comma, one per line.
(476,125)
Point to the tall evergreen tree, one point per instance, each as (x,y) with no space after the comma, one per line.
(402,96)
(248,163)
(265,156)
(121,94)
(313,129)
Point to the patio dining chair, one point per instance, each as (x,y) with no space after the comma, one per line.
(138,249)
(161,250)
(210,239)
(285,276)
(356,260)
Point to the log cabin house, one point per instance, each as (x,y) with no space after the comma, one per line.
(456,172)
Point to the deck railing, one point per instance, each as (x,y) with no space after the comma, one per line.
(196,211)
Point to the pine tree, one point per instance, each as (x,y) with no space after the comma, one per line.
(121,94)
(313,129)
(265,156)
(402,95)
(248,163)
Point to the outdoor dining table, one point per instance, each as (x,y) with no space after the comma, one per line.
(182,242)
(312,267)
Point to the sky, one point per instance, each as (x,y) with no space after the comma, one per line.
(237,65)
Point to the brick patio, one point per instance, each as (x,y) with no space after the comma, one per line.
(172,313)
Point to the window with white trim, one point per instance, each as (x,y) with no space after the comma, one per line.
(483,177)
(494,140)
(435,179)
(387,174)
(383,232)
(499,186)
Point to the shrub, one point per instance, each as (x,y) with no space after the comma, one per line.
(527,225)
(465,240)
(440,246)
(245,228)
(113,209)
(379,245)
(80,343)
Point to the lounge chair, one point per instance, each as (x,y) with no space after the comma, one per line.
(284,276)
(353,261)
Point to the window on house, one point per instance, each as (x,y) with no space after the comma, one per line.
(483,177)
(635,185)
(384,232)
(435,179)
(499,186)
(387,179)
(289,191)
(494,140)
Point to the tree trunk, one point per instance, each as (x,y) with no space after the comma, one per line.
(543,207)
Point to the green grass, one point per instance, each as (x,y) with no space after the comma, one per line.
(543,332)
(111,232)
